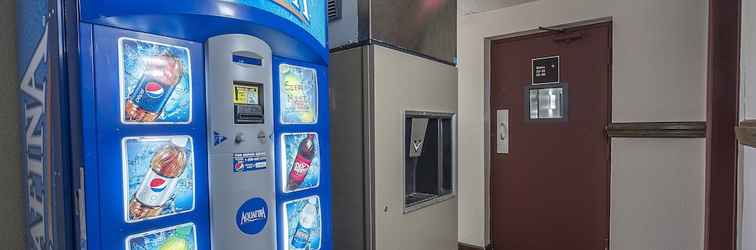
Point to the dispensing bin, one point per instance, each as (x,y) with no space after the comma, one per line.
(429,169)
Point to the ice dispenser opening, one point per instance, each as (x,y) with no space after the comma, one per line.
(429,158)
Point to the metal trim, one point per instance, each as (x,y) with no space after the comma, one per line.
(369,146)
(370,41)
(657,130)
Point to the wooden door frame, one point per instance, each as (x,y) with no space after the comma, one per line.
(487,150)
(722,101)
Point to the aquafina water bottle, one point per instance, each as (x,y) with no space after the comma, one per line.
(307,223)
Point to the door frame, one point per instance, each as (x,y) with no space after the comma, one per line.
(487,150)
(722,111)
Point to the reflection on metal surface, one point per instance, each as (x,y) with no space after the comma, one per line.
(424,27)
(427,26)
(547,102)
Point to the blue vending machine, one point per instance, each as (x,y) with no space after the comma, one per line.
(176,125)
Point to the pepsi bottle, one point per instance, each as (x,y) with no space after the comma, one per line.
(159,184)
(302,162)
(307,223)
(161,75)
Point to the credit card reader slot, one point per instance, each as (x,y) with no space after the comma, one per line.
(249,114)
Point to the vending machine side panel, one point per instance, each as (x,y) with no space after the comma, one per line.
(151,166)
(88,197)
(44,124)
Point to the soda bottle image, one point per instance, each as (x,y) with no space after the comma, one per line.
(161,75)
(159,184)
(307,223)
(302,162)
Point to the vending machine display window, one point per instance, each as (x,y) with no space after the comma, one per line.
(429,159)
(299,94)
(302,224)
(155,82)
(249,102)
(182,237)
(301,161)
(158,177)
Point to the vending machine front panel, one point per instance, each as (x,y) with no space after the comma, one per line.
(150,180)
(240,122)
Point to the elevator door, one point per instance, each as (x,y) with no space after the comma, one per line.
(549,153)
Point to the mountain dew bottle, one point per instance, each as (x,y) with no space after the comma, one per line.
(175,244)
(178,241)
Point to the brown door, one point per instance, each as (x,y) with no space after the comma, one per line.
(551,190)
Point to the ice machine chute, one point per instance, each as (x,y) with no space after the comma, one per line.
(429,169)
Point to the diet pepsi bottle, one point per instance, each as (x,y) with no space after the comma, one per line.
(302,162)
(159,184)
(307,222)
(161,75)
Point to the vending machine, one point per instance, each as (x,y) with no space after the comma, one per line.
(176,125)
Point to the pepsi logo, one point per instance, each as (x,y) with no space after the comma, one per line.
(154,89)
(157,185)
(238,166)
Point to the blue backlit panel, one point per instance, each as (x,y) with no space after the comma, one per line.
(308,14)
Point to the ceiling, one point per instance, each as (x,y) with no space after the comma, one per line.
(467,7)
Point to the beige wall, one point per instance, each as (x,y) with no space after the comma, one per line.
(659,65)
(11,197)
(748,111)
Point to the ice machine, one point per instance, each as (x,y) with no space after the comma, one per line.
(394,111)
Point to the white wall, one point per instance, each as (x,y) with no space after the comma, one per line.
(659,56)
(477,6)
(748,111)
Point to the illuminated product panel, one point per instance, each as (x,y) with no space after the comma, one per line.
(302,162)
(305,13)
(151,168)
(155,82)
(158,177)
(181,237)
(302,224)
